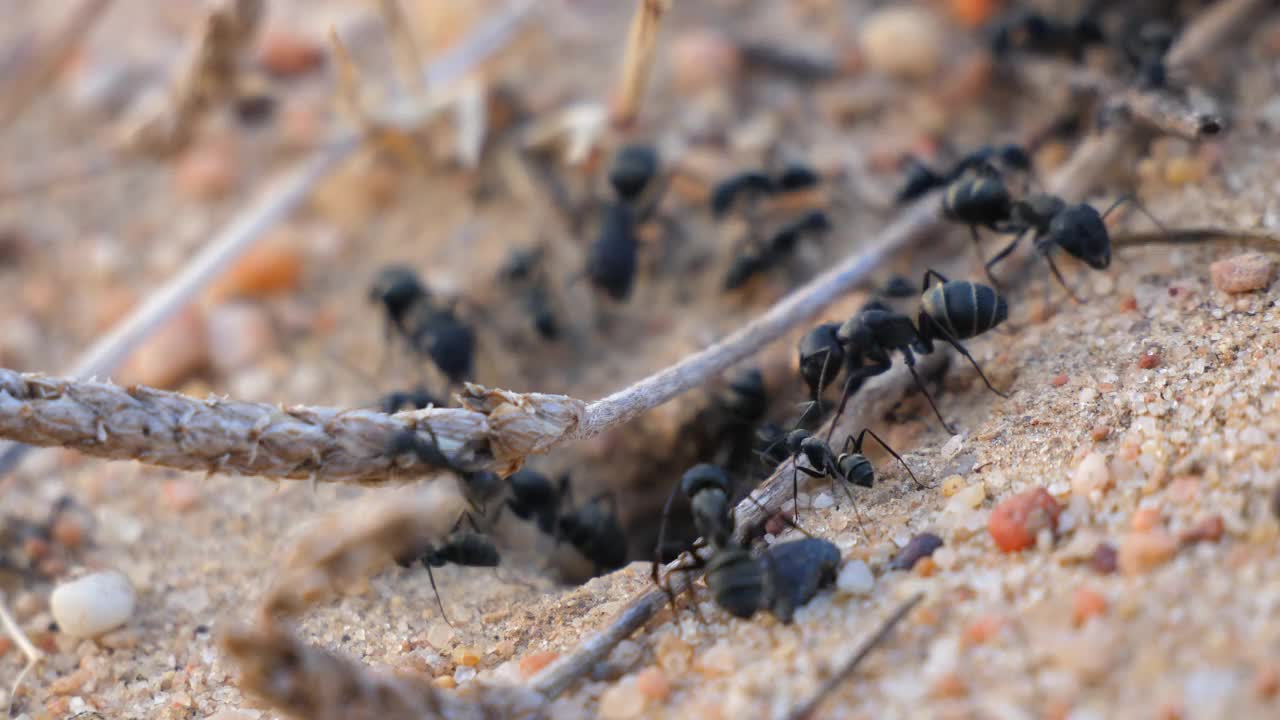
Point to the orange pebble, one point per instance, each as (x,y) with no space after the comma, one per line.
(206,171)
(973,12)
(1086,603)
(926,567)
(285,53)
(653,683)
(949,685)
(1145,519)
(1016,521)
(267,269)
(68,531)
(6,645)
(533,662)
(1060,380)
(983,629)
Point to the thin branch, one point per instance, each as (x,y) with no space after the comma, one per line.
(39,75)
(1209,30)
(637,61)
(806,711)
(24,644)
(275,203)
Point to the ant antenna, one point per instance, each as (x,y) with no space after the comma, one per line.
(439,602)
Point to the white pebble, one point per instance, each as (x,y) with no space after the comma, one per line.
(91,605)
(855,578)
(967,499)
(952,447)
(1091,476)
(903,42)
(463,674)
(823,500)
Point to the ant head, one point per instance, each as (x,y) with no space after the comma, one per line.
(796,439)
(1014,156)
(531,487)
(856,469)
(821,356)
(483,485)
(704,476)
(1080,231)
(634,166)
(397,287)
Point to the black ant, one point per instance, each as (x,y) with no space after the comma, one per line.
(416,399)
(922,179)
(478,486)
(523,272)
(951,310)
(850,465)
(822,353)
(1031,32)
(1079,229)
(779,579)
(733,414)
(613,258)
(467,548)
(428,327)
(593,528)
(979,199)
(763,256)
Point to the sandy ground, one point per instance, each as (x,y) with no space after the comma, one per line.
(1164,385)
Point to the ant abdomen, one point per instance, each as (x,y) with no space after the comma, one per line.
(978,200)
(964,309)
(857,469)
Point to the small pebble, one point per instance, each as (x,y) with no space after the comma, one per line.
(973,13)
(1086,603)
(1016,521)
(440,635)
(1060,380)
(1104,559)
(463,673)
(949,685)
(1266,684)
(466,656)
(951,485)
(674,654)
(1242,273)
(719,661)
(622,702)
(968,498)
(206,171)
(1091,476)
(69,530)
(952,447)
(902,42)
(270,268)
(703,59)
(855,578)
(1149,359)
(824,500)
(920,547)
(1209,529)
(653,683)
(169,356)
(93,604)
(1100,433)
(181,495)
(982,629)
(287,54)
(1144,551)
(240,334)
(532,663)
(445,682)
(776,523)
(1145,519)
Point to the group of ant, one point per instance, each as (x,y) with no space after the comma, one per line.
(976,193)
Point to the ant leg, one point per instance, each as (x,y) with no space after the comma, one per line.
(911,365)
(953,342)
(1000,256)
(439,602)
(883,444)
(851,386)
(662,533)
(1061,280)
(1131,198)
(977,250)
(931,273)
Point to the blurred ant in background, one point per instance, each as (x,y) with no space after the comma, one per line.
(426,326)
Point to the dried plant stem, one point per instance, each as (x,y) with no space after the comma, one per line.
(38,76)
(806,711)
(1208,31)
(24,644)
(637,61)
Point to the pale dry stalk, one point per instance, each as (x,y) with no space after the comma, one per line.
(637,60)
(37,76)
(33,654)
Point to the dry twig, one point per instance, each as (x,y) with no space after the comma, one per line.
(34,656)
(37,76)
(806,711)
(637,61)
(1208,31)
